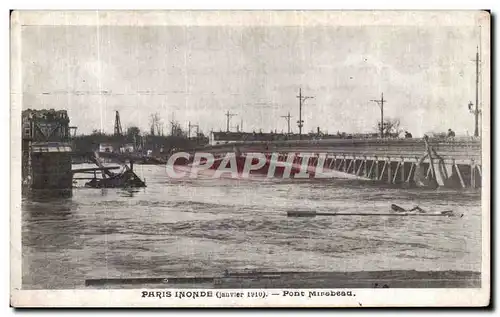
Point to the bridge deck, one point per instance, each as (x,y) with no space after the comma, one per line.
(457,150)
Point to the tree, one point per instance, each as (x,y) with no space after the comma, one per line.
(133,134)
(391,127)
(133,131)
(155,124)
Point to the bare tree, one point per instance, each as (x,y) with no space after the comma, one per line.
(391,127)
(177,130)
(155,124)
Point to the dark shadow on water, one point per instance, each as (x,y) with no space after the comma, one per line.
(43,207)
(123,192)
(48,195)
(128,192)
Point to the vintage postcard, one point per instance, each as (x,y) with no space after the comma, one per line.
(250,158)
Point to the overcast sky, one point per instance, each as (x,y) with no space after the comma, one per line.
(198,73)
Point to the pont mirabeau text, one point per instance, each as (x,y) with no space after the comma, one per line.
(318,293)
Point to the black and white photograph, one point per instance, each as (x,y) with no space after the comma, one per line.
(250,158)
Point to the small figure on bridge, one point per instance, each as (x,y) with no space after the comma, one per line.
(451,134)
(408,135)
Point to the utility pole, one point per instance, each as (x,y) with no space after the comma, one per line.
(476,111)
(380,103)
(288,121)
(300,123)
(228,115)
(476,129)
(173,124)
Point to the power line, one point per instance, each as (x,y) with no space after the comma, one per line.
(228,115)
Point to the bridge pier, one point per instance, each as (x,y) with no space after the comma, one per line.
(46,153)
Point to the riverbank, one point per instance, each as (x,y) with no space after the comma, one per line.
(305,280)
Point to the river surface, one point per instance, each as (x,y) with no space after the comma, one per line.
(205,226)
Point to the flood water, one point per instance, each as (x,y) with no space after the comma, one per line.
(205,226)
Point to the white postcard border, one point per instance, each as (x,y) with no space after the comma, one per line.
(132,298)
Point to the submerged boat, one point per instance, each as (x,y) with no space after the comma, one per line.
(125,179)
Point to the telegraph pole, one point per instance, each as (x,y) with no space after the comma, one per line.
(288,121)
(228,115)
(173,124)
(476,110)
(380,103)
(300,123)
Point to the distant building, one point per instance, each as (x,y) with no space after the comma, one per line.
(104,147)
(218,138)
(127,148)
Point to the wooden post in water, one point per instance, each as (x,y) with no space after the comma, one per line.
(403,168)
(365,172)
(333,161)
(383,171)
(459,174)
(396,173)
(473,175)
(371,170)
(431,160)
(389,170)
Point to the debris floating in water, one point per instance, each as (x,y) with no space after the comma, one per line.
(312,213)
